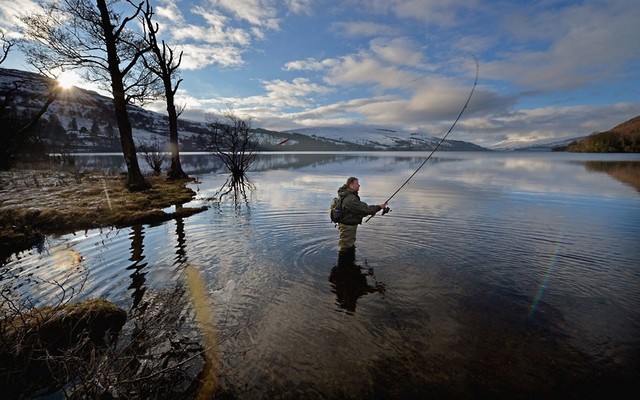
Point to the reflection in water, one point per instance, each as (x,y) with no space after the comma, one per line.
(137,277)
(505,275)
(349,282)
(238,187)
(626,172)
(205,163)
(181,250)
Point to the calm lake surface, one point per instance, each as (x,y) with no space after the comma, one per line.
(495,275)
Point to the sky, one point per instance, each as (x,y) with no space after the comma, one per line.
(548,70)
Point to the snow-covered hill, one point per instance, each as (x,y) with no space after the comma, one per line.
(376,138)
(550,146)
(83,120)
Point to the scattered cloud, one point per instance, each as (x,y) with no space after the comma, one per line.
(299,6)
(364,69)
(397,51)
(197,57)
(215,31)
(310,64)
(571,47)
(292,94)
(542,125)
(262,13)
(547,69)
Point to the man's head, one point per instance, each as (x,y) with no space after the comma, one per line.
(353,183)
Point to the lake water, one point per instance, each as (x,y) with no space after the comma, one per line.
(494,275)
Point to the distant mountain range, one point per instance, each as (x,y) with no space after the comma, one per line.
(84,121)
(374,138)
(550,146)
(623,138)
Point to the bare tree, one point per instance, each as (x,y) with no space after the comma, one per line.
(152,154)
(162,63)
(6,46)
(233,142)
(95,38)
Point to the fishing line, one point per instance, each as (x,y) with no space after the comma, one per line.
(475,83)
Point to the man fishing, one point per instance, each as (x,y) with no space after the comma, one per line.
(353,211)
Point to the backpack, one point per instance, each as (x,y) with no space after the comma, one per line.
(335,212)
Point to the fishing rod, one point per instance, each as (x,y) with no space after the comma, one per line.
(475,83)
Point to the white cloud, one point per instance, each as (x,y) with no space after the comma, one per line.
(10,10)
(437,98)
(473,44)
(169,10)
(571,47)
(216,30)
(221,39)
(364,69)
(261,13)
(381,65)
(199,56)
(544,124)
(292,94)
(279,94)
(310,64)
(299,6)
(397,51)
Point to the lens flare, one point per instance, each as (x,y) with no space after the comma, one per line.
(547,276)
(206,320)
(67,258)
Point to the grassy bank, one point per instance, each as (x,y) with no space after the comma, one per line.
(34,203)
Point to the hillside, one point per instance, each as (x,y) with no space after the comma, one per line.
(623,138)
(545,147)
(376,138)
(83,121)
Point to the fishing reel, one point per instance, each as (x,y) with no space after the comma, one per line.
(384,211)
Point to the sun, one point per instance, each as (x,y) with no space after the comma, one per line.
(67,80)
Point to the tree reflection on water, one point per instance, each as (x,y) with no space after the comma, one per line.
(625,172)
(236,187)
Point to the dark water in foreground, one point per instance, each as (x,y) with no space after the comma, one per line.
(495,275)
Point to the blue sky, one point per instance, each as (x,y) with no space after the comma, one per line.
(549,70)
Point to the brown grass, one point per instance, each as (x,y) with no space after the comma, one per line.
(35,203)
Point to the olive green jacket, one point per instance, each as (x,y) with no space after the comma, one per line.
(354,209)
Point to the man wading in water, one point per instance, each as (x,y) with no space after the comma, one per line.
(353,212)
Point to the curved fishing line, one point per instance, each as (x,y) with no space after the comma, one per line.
(475,83)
